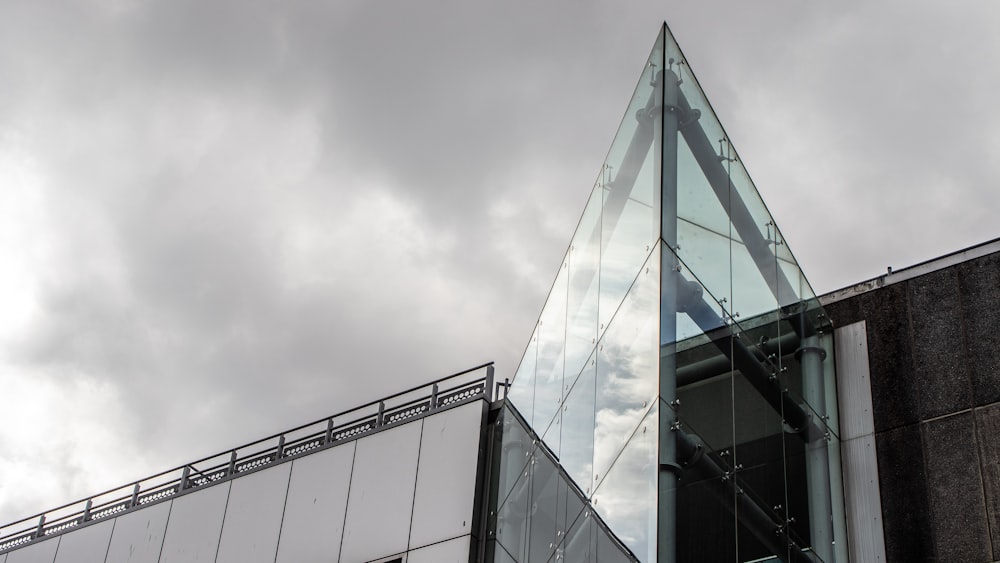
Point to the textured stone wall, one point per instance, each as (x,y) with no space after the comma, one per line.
(934,354)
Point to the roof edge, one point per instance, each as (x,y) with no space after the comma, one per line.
(910,272)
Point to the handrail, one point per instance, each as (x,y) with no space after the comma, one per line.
(324,432)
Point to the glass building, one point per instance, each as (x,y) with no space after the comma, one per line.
(677,399)
(676,402)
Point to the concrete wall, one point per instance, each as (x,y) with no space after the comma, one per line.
(934,355)
(405,493)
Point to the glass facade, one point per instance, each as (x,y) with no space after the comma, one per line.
(680,380)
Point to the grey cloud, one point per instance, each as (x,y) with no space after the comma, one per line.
(259,213)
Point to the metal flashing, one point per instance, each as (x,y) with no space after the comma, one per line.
(910,272)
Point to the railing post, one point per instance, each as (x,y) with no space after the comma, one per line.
(135,496)
(184,478)
(281,447)
(381,412)
(41,526)
(329,431)
(488,385)
(232,463)
(86,511)
(434,397)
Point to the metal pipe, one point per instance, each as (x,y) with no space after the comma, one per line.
(739,215)
(669,84)
(766,526)
(760,378)
(811,356)
(624,180)
(720,364)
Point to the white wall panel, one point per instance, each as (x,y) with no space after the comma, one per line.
(861,492)
(446,475)
(854,388)
(316,506)
(452,551)
(86,545)
(253,516)
(859,459)
(195,525)
(44,552)
(381,498)
(138,536)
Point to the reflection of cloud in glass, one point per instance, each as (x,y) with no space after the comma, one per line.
(612,430)
(576,452)
(584,274)
(624,251)
(626,498)
(551,348)
(515,446)
(522,389)
(627,365)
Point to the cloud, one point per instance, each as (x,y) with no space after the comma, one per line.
(220,219)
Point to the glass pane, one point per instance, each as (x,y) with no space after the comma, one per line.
(512,517)
(706,528)
(703,228)
(584,274)
(625,249)
(810,497)
(609,550)
(630,180)
(553,434)
(697,310)
(579,543)
(627,367)
(544,515)
(571,505)
(500,554)
(626,498)
(577,451)
(551,359)
(515,453)
(522,389)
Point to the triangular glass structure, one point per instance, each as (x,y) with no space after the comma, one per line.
(677,399)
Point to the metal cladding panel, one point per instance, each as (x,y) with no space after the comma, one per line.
(451,551)
(861,492)
(381,499)
(138,536)
(253,516)
(44,552)
(195,525)
(858,455)
(854,381)
(316,506)
(86,545)
(445,496)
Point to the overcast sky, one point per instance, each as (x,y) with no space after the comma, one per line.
(219,219)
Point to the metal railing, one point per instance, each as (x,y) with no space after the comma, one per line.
(419,401)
